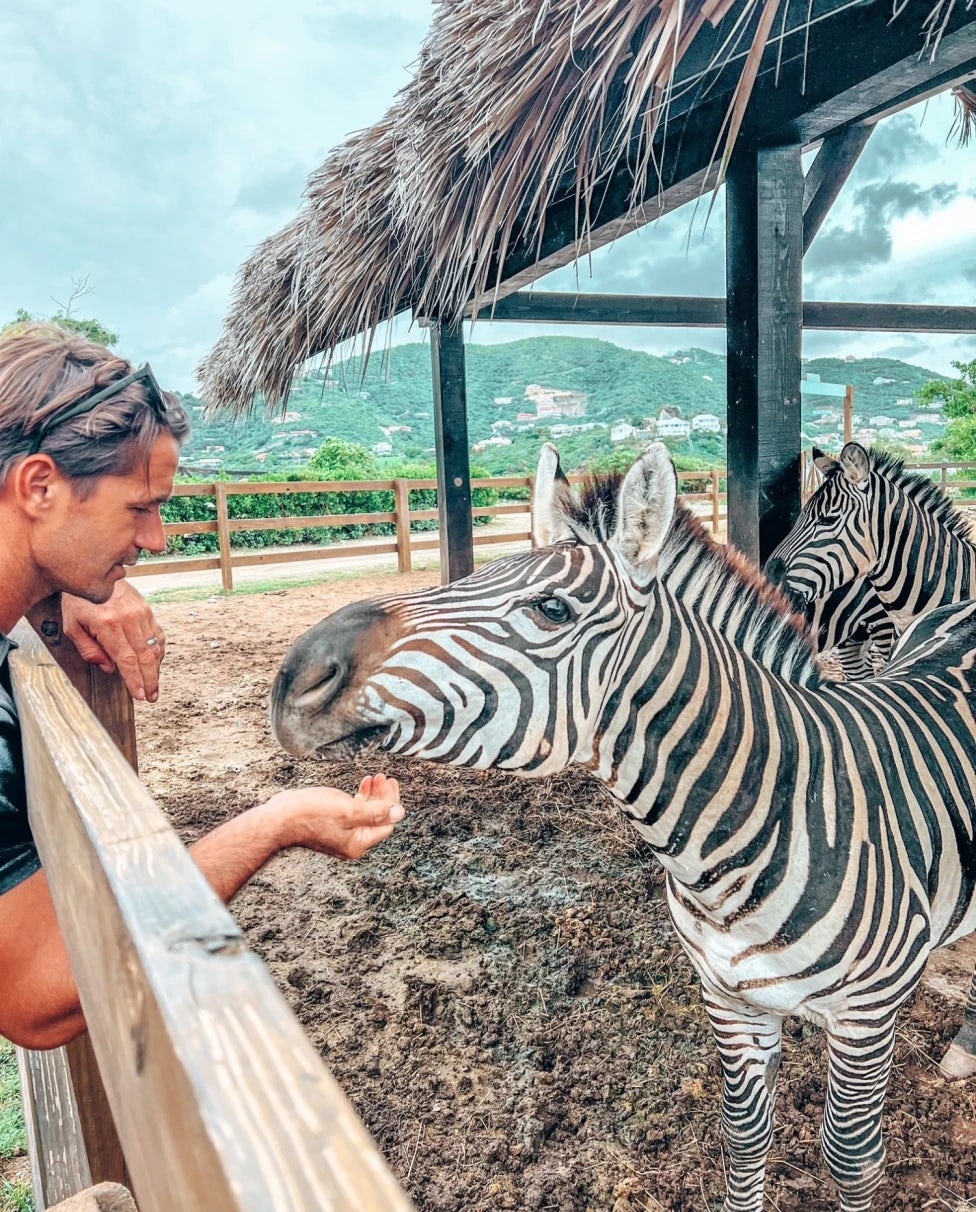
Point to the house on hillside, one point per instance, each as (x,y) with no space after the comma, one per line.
(551,402)
(673,427)
(621,431)
(706,422)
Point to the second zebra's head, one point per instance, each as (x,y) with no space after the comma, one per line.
(832,542)
(510,667)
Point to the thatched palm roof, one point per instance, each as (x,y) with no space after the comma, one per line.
(515,104)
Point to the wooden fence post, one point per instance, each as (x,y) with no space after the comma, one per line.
(401,490)
(223,537)
(107,696)
(716,513)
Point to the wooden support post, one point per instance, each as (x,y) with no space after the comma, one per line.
(223,537)
(716,512)
(837,156)
(451,441)
(764,253)
(848,413)
(401,494)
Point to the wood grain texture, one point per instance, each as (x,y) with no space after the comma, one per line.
(451,442)
(55,1141)
(221,1102)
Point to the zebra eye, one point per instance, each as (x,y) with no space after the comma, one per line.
(555,610)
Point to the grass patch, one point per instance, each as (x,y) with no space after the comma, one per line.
(15,1196)
(13,1134)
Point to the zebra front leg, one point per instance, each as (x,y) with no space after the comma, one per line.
(960,1060)
(749,1044)
(853,1144)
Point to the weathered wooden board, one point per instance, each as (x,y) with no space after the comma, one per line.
(221,1102)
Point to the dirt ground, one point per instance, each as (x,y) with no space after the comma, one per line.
(498,987)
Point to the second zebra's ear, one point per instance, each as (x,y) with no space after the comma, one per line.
(856,464)
(548,523)
(645,511)
(824,462)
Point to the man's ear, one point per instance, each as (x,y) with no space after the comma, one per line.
(33,483)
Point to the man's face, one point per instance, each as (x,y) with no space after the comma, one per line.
(85,545)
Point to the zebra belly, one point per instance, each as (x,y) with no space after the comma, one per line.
(789,980)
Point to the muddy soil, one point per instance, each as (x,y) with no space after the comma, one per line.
(498,987)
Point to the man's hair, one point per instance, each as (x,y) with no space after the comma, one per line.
(45,369)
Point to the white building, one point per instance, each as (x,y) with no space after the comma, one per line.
(382,448)
(880,421)
(620,431)
(706,422)
(673,427)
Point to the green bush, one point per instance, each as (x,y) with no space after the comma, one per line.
(335,460)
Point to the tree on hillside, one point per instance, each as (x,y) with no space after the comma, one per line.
(93,329)
(339,460)
(957,397)
(958,400)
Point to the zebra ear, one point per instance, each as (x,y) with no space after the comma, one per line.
(824,462)
(548,524)
(645,511)
(856,462)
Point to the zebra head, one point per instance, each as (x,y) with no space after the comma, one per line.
(510,666)
(832,542)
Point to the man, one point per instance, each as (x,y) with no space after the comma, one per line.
(89,449)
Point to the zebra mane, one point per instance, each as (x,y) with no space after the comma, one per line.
(718,581)
(590,511)
(924,492)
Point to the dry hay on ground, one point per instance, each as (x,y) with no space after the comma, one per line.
(498,988)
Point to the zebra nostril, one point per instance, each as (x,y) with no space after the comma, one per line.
(328,686)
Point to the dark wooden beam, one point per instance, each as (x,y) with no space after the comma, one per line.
(856,65)
(826,176)
(451,442)
(764,238)
(562,307)
(688,311)
(889,317)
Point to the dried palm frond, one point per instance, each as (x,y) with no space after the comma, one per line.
(515,104)
(964,122)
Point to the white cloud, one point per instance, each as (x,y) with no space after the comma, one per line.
(151,147)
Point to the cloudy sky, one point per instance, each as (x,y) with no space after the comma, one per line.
(147,148)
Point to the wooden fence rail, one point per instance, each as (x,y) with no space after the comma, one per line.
(403,544)
(701,489)
(220,1102)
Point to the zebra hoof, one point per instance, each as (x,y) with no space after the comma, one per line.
(958,1063)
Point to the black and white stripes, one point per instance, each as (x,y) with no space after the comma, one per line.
(818,837)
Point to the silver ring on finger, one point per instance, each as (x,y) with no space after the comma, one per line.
(152,641)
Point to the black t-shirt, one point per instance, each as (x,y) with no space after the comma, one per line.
(18,854)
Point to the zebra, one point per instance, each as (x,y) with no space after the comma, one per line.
(872,522)
(817,837)
(873,519)
(854,624)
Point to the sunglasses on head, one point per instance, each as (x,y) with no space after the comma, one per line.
(154,398)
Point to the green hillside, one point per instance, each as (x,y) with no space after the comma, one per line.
(391,403)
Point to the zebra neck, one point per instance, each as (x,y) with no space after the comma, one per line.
(924,566)
(697,755)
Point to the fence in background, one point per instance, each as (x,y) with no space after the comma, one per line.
(701,489)
(703,492)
